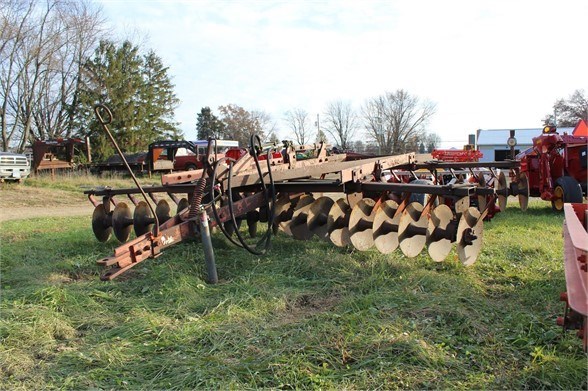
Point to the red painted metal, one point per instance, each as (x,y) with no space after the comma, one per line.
(575,256)
(551,157)
(456,155)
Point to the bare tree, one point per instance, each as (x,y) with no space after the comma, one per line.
(42,46)
(396,121)
(266,123)
(341,122)
(298,122)
(15,28)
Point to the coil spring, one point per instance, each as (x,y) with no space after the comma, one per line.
(197,197)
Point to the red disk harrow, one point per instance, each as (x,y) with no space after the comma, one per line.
(386,202)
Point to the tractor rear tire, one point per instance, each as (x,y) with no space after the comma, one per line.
(566,190)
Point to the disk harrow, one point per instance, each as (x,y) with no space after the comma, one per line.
(383,202)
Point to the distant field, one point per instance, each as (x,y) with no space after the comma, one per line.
(308,315)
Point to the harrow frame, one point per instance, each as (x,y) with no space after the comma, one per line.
(379,206)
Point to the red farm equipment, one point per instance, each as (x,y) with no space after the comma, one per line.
(59,154)
(555,168)
(382,202)
(467,154)
(379,201)
(575,232)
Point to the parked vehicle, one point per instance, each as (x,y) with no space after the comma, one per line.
(136,162)
(237,152)
(14,167)
(182,155)
(555,167)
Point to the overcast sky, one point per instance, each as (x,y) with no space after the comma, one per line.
(485,64)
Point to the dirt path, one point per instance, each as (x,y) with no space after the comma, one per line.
(21,202)
(23,213)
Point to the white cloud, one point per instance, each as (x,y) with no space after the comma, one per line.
(496,64)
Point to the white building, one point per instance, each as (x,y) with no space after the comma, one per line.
(493,142)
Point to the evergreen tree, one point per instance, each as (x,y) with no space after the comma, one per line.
(208,125)
(138,92)
(321,136)
(273,139)
(158,101)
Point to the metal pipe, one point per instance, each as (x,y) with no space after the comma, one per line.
(207,245)
(104,121)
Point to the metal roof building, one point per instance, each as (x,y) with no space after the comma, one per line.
(493,142)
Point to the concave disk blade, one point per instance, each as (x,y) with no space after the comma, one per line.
(523,189)
(183,204)
(318,216)
(360,224)
(101,223)
(283,214)
(162,211)
(501,185)
(469,224)
(122,221)
(439,247)
(338,223)
(142,219)
(353,199)
(385,227)
(412,219)
(298,225)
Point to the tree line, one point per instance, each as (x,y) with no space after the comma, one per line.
(57,61)
(392,123)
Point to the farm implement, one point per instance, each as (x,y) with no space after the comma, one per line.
(386,202)
(575,233)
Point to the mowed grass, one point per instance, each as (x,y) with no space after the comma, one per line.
(308,315)
(75,181)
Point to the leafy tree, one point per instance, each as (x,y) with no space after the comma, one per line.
(396,121)
(138,92)
(208,125)
(569,111)
(240,124)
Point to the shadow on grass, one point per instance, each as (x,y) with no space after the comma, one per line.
(307,315)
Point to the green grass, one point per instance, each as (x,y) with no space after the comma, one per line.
(308,315)
(76,180)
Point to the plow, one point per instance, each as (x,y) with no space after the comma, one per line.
(390,203)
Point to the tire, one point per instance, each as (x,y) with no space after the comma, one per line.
(567,190)
(190,167)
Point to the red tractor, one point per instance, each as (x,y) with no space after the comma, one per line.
(555,167)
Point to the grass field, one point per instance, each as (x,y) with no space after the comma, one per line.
(308,315)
